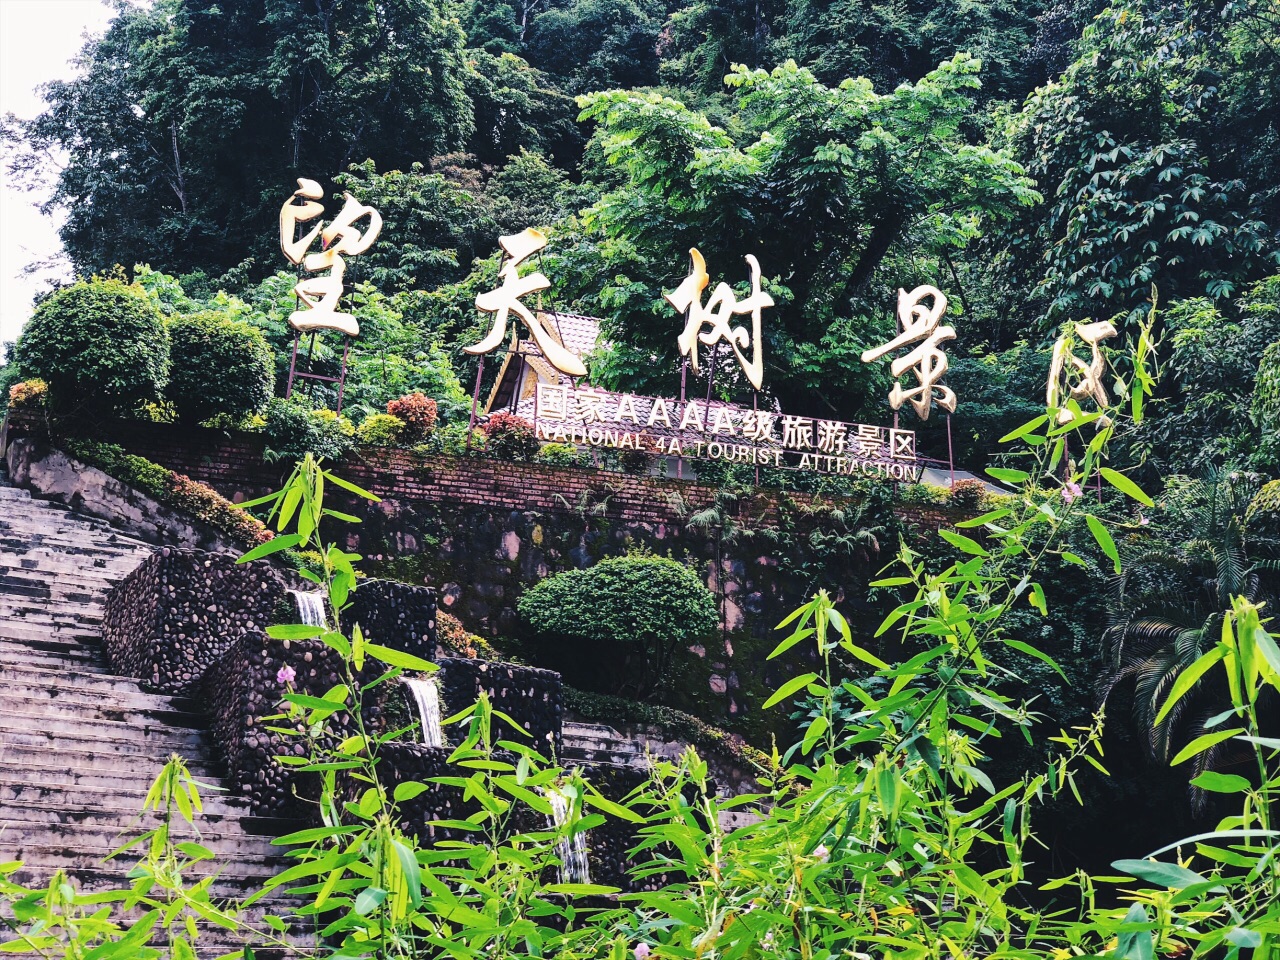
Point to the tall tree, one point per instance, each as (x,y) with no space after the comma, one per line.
(842,194)
(190,121)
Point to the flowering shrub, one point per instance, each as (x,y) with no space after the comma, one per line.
(173,490)
(510,437)
(381,430)
(418,414)
(454,638)
(293,429)
(967,494)
(28,394)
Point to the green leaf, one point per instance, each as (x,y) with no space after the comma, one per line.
(294,631)
(1188,678)
(1135,944)
(1216,782)
(1168,875)
(350,487)
(369,900)
(1103,536)
(1031,651)
(274,545)
(1025,429)
(961,542)
(398,658)
(1126,486)
(410,789)
(983,520)
(790,687)
(605,805)
(1202,743)
(1007,475)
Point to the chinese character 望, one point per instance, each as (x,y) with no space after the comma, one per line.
(321,294)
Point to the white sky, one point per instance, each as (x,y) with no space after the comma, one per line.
(38,38)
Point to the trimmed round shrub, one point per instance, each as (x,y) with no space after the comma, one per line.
(217,367)
(510,437)
(100,345)
(418,414)
(967,494)
(380,430)
(293,429)
(621,625)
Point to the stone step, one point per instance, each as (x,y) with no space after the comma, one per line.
(33,717)
(70,549)
(35,511)
(87,681)
(69,612)
(86,710)
(39,648)
(84,579)
(58,529)
(87,842)
(51,692)
(49,777)
(100,735)
(620,745)
(13,493)
(100,756)
(214,820)
(236,880)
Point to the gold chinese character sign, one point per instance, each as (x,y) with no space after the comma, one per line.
(340,238)
(709,324)
(1066,367)
(919,323)
(506,300)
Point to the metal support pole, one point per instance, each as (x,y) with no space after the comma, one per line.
(684,376)
(475,399)
(311,353)
(951,457)
(342,374)
(755,408)
(293,363)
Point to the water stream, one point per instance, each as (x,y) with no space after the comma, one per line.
(572,851)
(427,696)
(311,608)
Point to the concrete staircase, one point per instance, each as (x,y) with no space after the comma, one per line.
(600,743)
(79,747)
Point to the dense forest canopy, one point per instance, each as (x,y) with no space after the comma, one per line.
(1041,162)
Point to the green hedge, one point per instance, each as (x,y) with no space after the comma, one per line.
(174,490)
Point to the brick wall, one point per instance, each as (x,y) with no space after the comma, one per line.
(235,467)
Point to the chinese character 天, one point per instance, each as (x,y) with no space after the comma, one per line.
(709,324)
(340,238)
(507,300)
(919,323)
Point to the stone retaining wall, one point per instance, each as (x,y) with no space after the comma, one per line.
(174,616)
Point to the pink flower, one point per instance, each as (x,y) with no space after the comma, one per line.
(1142,521)
(1071,490)
(821,852)
(285,674)
(641,951)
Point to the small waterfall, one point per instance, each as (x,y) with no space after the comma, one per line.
(572,851)
(427,696)
(311,608)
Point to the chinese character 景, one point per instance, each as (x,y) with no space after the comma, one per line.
(1066,364)
(709,323)
(919,323)
(321,294)
(507,299)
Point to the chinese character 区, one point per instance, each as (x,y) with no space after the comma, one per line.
(919,323)
(724,303)
(322,294)
(902,444)
(506,300)
(1065,364)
